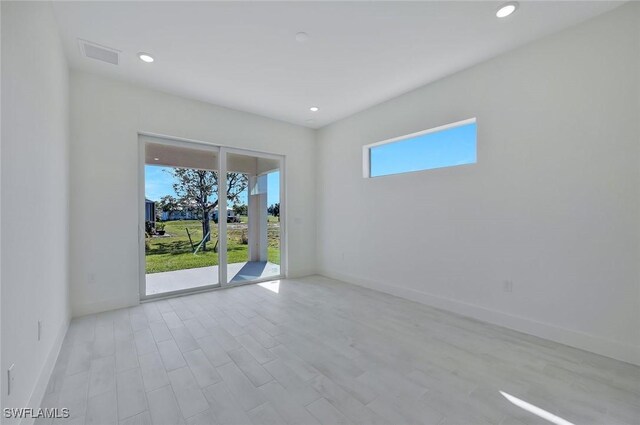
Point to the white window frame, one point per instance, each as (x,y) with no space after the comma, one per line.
(366,149)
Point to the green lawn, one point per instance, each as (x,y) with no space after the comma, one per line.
(174,252)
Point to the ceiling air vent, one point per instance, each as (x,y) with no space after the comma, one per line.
(98,52)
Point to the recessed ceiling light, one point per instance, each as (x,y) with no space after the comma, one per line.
(314,109)
(507,9)
(156,159)
(301,37)
(145,57)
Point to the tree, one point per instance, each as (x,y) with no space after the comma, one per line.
(199,189)
(167,204)
(274,210)
(241,209)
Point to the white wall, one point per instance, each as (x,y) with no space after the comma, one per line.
(552,204)
(2,383)
(34,164)
(105,118)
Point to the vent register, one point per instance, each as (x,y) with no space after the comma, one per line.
(98,52)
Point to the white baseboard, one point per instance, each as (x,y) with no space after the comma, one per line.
(35,401)
(614,349)
(108,305)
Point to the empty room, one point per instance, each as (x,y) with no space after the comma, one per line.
(320,212)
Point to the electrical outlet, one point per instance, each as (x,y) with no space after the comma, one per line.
(11,376)
(39,329)
(507,286)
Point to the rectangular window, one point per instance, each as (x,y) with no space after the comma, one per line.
(445,146)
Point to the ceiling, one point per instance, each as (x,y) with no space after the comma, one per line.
(170,155)
(244,55)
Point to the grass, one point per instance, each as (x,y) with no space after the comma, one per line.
(174,252)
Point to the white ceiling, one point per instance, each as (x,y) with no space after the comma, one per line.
(244,55)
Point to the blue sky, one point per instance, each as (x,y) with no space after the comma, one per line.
(158,182)
(454,146)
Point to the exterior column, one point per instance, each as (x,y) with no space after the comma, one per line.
(257,212)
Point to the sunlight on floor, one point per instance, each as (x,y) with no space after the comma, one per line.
(536,410)
(273,286)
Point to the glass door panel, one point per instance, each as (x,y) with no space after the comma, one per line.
(252,217)
(181,193)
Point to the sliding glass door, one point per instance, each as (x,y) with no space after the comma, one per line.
(212,217)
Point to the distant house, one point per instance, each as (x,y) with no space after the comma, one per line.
(149,210)
(231,216)
(194,214)
(179,214)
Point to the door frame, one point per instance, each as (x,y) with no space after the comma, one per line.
(146,137)
(222,225)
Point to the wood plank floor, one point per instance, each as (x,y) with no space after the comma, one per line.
(317,351)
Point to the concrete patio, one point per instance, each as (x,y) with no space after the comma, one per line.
(158,283)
